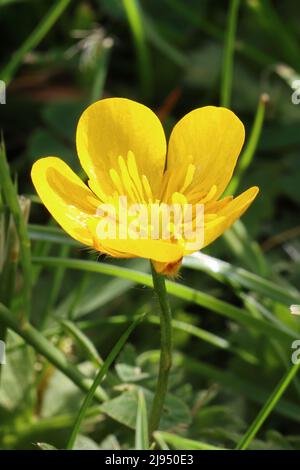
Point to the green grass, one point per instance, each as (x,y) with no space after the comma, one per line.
(81,367)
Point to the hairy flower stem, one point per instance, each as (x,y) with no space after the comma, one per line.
(165,351)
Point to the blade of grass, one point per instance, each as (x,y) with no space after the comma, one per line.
(102,372)
(200,333)
(13,203)
(92,353)
(283,36)
(141,429)
(162,444)
(227,66)
(92,298)
(54,288)
(33,39)
(260,310)
(8,270)
(135,20)
(238,385)
(43,346)
(4,269)
(192,15)
(245,249)
(87,346)
(50,234)
(173,54)
(101,71)
(185,11)
(240,277)
(24,430)
(268,407)
(58,359)
(88,297)
(210,338)
(183,292)
(247,155)
(75,298)
(43,243)
(182,443)
(56,235)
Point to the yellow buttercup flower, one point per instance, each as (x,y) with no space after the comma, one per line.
(122,149)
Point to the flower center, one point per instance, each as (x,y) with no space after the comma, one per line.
(166,216)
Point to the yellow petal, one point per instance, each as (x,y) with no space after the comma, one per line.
(113,127)
(66,197)
(213,137)
(228,215)
(158,250)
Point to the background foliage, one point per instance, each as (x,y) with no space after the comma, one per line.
(232,326)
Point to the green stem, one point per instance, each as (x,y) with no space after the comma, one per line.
(268,407)
(166,350)
(99,377)
(227,67)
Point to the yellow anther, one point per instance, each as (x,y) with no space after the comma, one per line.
(211,193)
(134,172)
(147,188)
(116,180)
(188,177)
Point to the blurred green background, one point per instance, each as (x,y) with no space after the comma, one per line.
(167,54)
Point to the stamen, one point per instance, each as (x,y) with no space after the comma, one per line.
(126,178)
(178,181)
(188,177)
(134,173)
(178,198)
(147,188)
(216,206)
(116,180)
(211,193)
